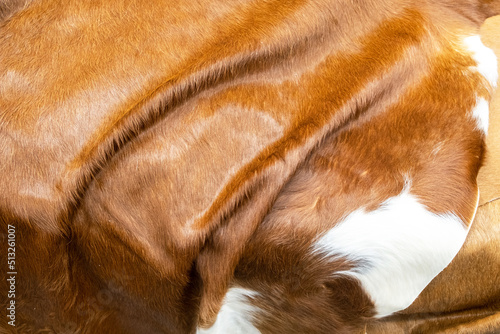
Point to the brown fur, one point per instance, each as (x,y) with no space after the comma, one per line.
(154,155)
(465,297)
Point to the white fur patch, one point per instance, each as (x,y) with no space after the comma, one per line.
(235,315)
(481,114)
(484,57)
(487,67)
(399,248)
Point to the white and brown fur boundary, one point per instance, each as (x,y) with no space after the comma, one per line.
(269,165)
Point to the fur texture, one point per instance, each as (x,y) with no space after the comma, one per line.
(465,297)
(154,157)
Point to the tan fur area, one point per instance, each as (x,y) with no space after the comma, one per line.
(489,177)
(155,154)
